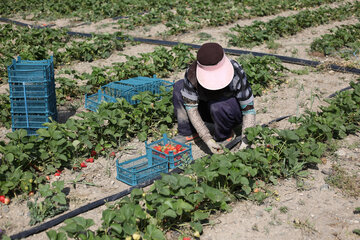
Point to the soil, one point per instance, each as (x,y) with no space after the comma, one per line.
(311,209)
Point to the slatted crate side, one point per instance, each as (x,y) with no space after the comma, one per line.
(33,105)
(31,89)
(30,121)
(140,169)
(118,90)
(92,102)
(30,71)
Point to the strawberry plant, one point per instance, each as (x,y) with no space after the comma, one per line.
(262,72)
(343,37)
(5,114)
(41,43)
(259,32)
(54,202)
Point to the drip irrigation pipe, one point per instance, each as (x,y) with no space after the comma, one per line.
(237,52)
(124,17)
(100,202)
(25,24)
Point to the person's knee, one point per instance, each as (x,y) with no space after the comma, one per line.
(178,85)
(218,108)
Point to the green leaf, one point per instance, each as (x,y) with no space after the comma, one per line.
(273,180)
(53,235)
(116,227)
(200,215)
(9,157)
(43,132)
(59,199)
(213,194)
(107,216)
(75,143)
(170,213)
(142,136)
(154,233)
(136,193)
(196,226)
(289,135)
(244,181)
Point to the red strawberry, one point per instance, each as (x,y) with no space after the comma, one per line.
(2,198)
(83,165)
(93,153)
(48,178)
(57,174)
(91,160)
(186,238)
(112,154)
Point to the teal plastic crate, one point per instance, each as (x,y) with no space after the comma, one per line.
(133,86)
(140,169)
(125,89)
(174,159)
(32,93)
(31,71)
(30,122)
(92,102)
(33,105)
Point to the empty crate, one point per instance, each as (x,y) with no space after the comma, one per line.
(32,94)
(125,89)
(141,169)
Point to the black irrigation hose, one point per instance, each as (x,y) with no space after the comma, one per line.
(24,24)
(285,59)
(230,145)
(123,17)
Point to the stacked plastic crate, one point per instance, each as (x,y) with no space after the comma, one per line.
(32,94)
(124,89)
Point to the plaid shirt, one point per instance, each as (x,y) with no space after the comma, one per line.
(239,88)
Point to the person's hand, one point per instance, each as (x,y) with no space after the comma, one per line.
(214,147)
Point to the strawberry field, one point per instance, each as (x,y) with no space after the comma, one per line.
(299,180)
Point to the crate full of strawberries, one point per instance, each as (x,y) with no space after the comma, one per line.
(174,152)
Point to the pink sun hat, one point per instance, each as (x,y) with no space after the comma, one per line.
(214,70)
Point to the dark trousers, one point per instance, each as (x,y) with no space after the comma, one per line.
(225,114)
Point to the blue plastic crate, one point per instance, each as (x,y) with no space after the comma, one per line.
(92,102)
(33,105)
(31,122)
(141,169)
(31,89)
(32,93)
(31,71)
(125,89)
(118,90)
(133,86)
(174,159)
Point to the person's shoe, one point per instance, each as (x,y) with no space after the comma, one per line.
(229,139)
(185,139)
